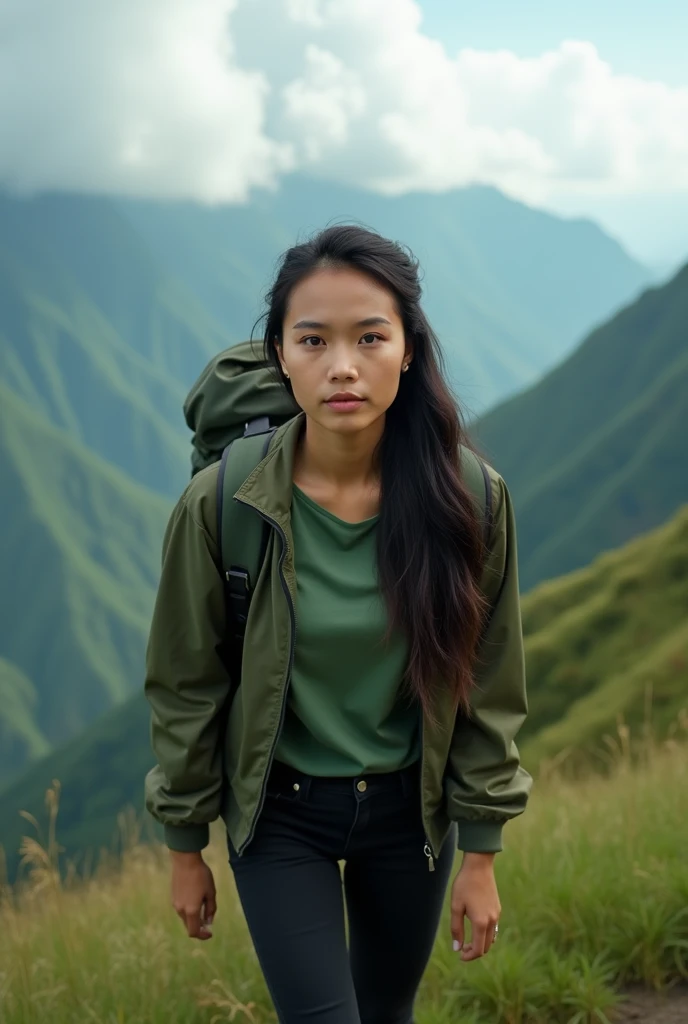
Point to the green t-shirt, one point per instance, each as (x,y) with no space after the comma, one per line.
(344,714)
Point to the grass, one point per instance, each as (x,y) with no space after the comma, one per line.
(593,883)
(599,639)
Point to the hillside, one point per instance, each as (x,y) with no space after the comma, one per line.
(595,453)
(593,640)
(509,289)
(21,740)
(80,552)
(96,337)
(610,639)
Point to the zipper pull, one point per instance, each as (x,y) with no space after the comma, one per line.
(428,853)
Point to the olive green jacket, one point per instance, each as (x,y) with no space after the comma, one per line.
(213,763)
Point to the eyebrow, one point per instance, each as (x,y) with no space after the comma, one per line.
(370,321)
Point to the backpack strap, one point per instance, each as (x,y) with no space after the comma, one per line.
(478,480)
(235,520)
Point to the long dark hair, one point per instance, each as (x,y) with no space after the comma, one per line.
(429,540)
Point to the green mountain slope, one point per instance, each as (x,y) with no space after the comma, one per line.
(603,640)
(79,550)
(96,336)
(594,639)
(595,453)
(508,288)
(21,740)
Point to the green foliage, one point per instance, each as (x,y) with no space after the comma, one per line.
(595,453)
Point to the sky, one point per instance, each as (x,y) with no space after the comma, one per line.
(646,40)
(578,108)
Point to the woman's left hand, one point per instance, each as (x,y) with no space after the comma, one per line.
(474,895)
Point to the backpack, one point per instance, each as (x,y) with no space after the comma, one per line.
(234,409)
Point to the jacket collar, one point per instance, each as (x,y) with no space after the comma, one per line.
(269,487)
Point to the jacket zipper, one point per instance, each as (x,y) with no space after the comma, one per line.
(292,614)
(427,850)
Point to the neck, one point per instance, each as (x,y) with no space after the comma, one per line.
(338,460)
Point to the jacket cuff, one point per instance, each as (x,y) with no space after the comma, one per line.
(480,836)
(187,838)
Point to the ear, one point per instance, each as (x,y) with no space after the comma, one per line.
(278,346)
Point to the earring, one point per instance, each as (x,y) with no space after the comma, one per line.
(286,374)
(405,368)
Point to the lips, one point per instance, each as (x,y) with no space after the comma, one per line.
(344,405)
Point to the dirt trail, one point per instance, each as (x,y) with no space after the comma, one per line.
(646,1007)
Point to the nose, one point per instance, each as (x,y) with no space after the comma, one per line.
(343,368)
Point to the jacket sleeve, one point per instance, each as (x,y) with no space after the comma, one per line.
(186,682)
(485,783)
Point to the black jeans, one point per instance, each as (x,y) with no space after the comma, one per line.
(290,887)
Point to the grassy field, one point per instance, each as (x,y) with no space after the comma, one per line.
(593,882)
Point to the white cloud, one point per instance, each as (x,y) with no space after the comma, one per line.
(320,107)
(210,98)
(137,96)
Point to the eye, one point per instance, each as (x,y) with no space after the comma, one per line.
(311,337)
(375,337)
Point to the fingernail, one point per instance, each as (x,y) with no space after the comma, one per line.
(456,945)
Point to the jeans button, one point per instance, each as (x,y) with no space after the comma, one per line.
(362,786)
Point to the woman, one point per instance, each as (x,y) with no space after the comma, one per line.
(382,679)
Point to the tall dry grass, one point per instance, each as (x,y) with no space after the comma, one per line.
(593,883)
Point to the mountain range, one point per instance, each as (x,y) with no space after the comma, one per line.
(595,452)
(108,311)
(508,288)
(80,553)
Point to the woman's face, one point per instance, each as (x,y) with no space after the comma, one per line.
(342,332)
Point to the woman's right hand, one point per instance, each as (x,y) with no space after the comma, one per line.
(193,893)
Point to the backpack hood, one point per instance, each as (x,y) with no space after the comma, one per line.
(236,386)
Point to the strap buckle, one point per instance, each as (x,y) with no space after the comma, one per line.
(259,425)
(238,592)
(239,574)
